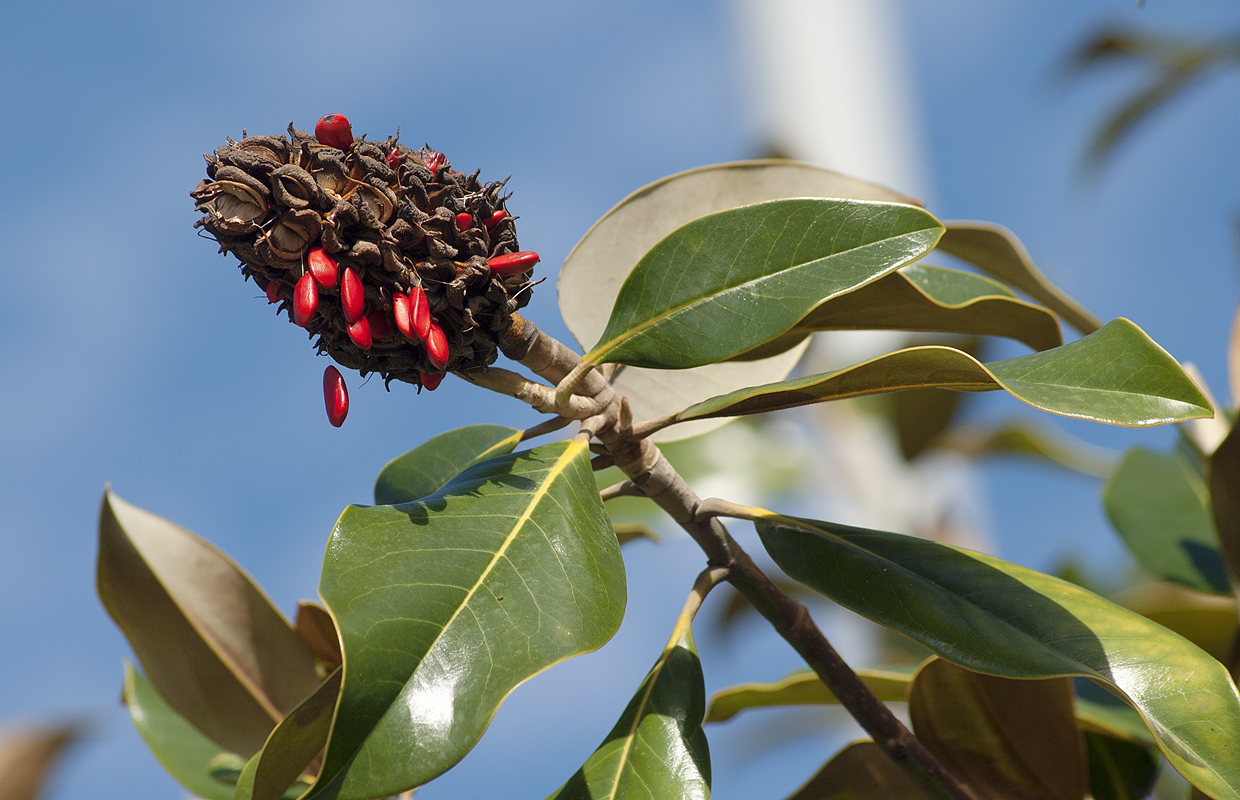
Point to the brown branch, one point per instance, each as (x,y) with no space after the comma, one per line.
(650,471)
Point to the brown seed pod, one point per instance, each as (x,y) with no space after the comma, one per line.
(395,217)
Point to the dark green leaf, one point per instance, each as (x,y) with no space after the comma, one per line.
(999,618)
(211,642)
(1159,504)
(592,274)
(801,689)
(729,281)
(996,250)
(657,749)
(1001,737)
(1224,483)
(181,748)
(446,604)
(427,467)
(1117,375)
(861,771)
(924,298)
(1118,769)
(293,744)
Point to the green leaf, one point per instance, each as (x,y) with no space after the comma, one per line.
(1159,504)
(293,744)
(991,616)
(996,250)
(181,748)
(657,748)
(592,274)
(1117,375)
(1118,769)
(211,642)
(861,771)
(727,282)
(446,604)
(919,297)
(801,689)
(427,467)
(1001,737)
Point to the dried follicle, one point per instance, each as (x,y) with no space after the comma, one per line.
(391,239)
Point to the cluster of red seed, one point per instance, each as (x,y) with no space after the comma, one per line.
(398,264)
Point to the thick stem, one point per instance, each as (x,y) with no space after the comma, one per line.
(648,470)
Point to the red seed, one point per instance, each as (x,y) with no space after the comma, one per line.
(513,263)
(437,347)
(393,158)
(305,299)
(322,267)
(379,327)
(431,380)
(464,221)
(403,315)
(434,160)
(273,291)
(335,396)
(496,218)
(334,130)
(359,332)
(420,313)
(352,296)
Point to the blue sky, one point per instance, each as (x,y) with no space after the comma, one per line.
(135,354)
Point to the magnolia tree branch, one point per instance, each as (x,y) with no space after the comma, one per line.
(650,474)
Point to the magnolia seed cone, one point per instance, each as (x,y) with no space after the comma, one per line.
(381,211)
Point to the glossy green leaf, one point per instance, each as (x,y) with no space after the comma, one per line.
(427,467)
(861,771)
(727,282)
(919,297)
(293,744)
(991,616)
(208,638)
(447,603)
(598,265)
(248,772)
(1224,482)
(1001,737)
(995,250)
(801,689)
(1119,769)
(1022,438)
(1117,375)
(1160,506)
(657,748)
(181,748)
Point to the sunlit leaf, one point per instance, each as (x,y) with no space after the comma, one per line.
(919,297)
(446,604)
(292,746)
(181,748)
(1118,769)
(657,749)
(602,260)
(861,771)
(801,689)
(1001,737)
(1117,375)
(995,250)
(427,467)
(727,282)
(991,616)
(1207,620)
(1159,504)
(212,643)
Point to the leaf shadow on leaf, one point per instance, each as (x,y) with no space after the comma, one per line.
(496,470)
